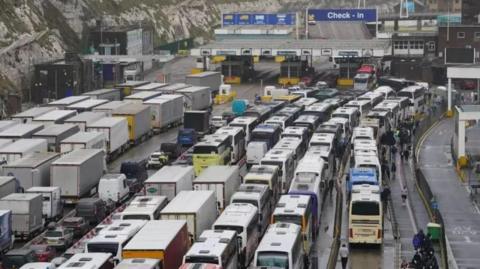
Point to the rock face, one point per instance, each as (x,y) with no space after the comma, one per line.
(34,31)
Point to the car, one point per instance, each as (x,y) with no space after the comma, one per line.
(218,122)
(157,160)
(78,224)
(59,237)
(15,258)
(43,252)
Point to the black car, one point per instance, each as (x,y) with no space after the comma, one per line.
(16,258)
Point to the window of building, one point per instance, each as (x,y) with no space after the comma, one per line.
(477,36)
(431,45)
(461,35)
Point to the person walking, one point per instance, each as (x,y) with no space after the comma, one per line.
(393,170)
(385,196)
(344,253)
(406,154)
(404,195)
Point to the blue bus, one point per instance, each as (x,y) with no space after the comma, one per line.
(361,176)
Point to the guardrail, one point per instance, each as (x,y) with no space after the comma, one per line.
(421,182)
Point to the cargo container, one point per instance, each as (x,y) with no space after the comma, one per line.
(86,105)
(109,107)
(165,240)
(84,140)
(7,124)
(170,180)
(154,86)
(6,237)
(85,118)
(197,120)
(127,87)
(28,115)
(138,118)
(224,180)
(21,148)
(55,133)
(32,170)
(196,98)
(140,97)
(77,173)
(54,117)
(115,131)
(166,111)
(106,94)
(5,142)
(8,185)
(210,79)
(173,88)
(21,131)
(26,213)
(64,102)
(52,207)
(198,208)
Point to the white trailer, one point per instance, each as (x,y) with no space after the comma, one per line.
(224,180)
(77,173)
(84,140)
(82,120)
(52,207)
(86,105)
(32,170)
(64,102)
(166,110)
(209,79)
(196,97)
(21,131)
(54,117)
(55,133)
(140,97)
(173,88)
(198,208)
(154,86)
(170,180)
(107,94)
(109,107)
(115,130)
(8,185)
(7,124)
(21,148)
(26,213)
(28,115)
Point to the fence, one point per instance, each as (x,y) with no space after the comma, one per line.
(422,184)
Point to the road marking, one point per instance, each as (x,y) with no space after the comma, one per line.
(467,239)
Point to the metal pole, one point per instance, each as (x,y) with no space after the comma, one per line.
(306,24)
(449,97)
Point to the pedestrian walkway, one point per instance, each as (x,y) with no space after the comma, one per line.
(459,214)
(413,216)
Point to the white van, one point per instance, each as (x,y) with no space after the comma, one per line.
(255,152)
(52,207)
(113,187)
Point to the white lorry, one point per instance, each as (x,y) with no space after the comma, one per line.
(170,180)
(52,207)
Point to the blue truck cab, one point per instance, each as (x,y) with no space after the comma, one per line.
(187,137)
(361,176)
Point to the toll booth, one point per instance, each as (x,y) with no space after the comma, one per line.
(293,70)
(237,69)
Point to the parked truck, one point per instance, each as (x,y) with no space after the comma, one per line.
(8,185)
(210,79)
(116,132)
(64,102)
(22,148)
(107,94)
(166,111)
(196,98)
(28,115)
(77,173)
(32,170)
(164,240)
(198,120)
(20,131)
(6,236)
(86,105)
(54,117)
(170,180)
(138,118)
(26,213)
(52,206)
(84,140)
(6,124)
(109,107)
(82,120)
(224,180)
(154,86)
(198,208)
(55,133)
(140,97)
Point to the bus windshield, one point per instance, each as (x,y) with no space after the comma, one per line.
(238,229)
(243,126)
(341,115)
(205,150)
(256,181)
(243,201)
(139,217)
(296,219)
(201,259)
(365,208)
(261,136)
(272,259)
(103,248)
(327,145)
(279,164)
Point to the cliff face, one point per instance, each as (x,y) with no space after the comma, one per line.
(33,31)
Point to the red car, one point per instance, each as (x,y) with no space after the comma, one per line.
(468,85)
(43,252)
